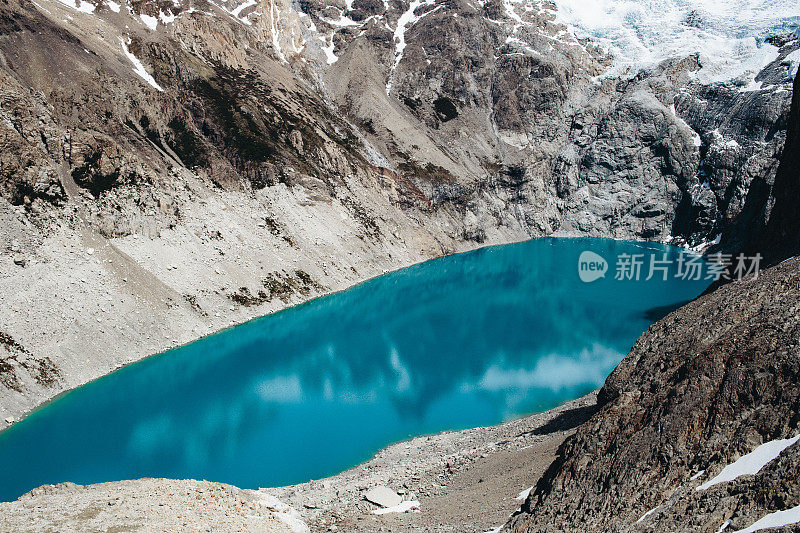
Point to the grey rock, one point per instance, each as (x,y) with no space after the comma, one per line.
(383,496)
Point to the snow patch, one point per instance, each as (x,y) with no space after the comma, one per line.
(752,86)
(113,6)
(274,16)
(42,8)
(78,5)
(750,463)
(139,69)
(648,513)
(697,475)
(399,508)
(703,246)
(341,22)
(330,57)
(776,519)
(406,21)
(150,22)
(732,144)
(237,11)
(793,61)
(522,496)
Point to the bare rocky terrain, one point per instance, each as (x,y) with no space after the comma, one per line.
(148,505)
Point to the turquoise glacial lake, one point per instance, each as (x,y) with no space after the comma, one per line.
(463,341)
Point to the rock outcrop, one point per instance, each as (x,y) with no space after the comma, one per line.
(770,224)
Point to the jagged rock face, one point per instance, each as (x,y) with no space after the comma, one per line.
(782,233)
(523,89)
(744,137)
(700,388)
(772,203)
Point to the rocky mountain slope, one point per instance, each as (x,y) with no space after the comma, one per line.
(683,418)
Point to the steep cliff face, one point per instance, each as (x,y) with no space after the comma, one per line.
(701,388)
(771,208)
(505,109)
(782,234)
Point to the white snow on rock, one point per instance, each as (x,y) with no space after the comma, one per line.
(285,513)
(406,21)
(139,69)
(341,22)
(237,11)
(776,519)
(728,35)
(793,60)
(150,22)
(750,463)
(330,57)
(166,18)
(274,18)
(648,513)
(78,5)
(522,496)
(113,6)
(401,507)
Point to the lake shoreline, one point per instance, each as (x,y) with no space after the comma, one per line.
(461,480)
(467,480)
(11,414)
